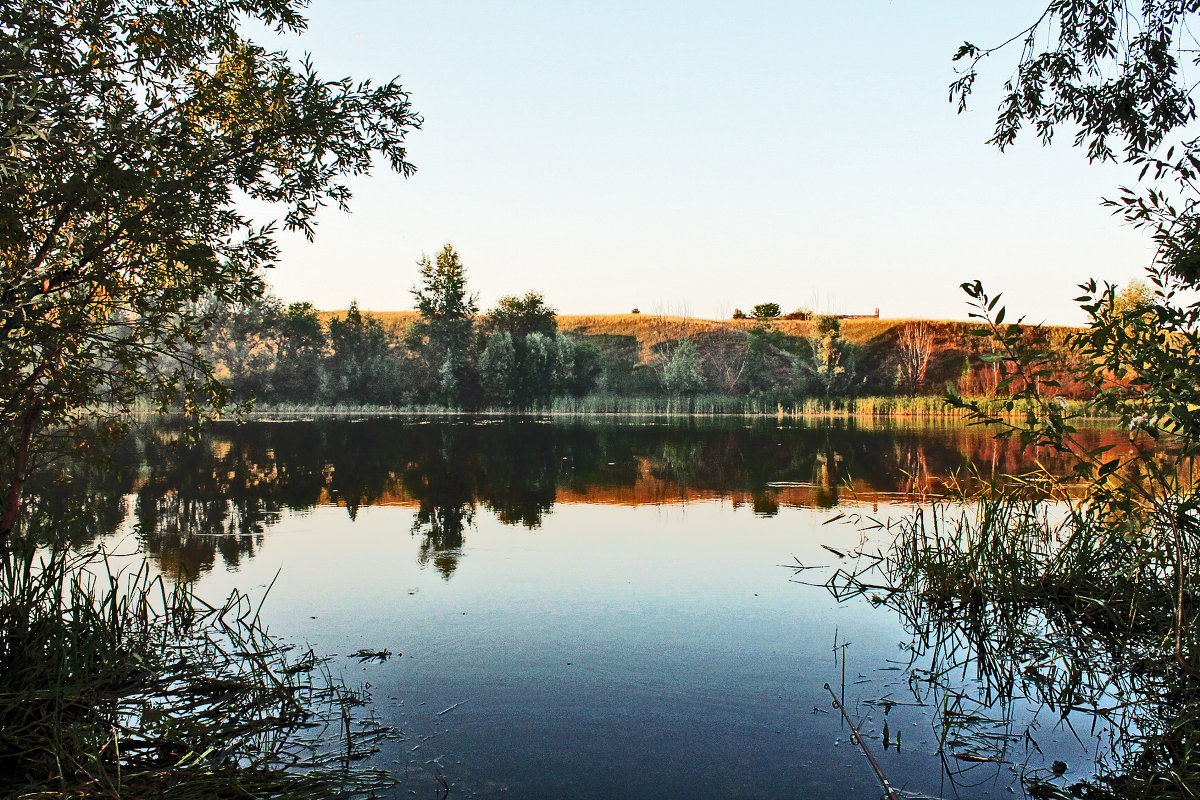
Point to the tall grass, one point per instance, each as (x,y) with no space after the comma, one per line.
(929,406)
(1013,600)
(115,684)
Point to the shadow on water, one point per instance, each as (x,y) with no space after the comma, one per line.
(200,504)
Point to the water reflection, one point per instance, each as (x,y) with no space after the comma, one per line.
(1001,666)
(193,506)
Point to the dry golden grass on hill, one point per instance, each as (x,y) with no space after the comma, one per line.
(401,319)
(653,328)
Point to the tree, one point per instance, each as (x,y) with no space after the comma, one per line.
(766,311)
(299,367)
(359,363)
(442,295)
(443,334)
(914,347)
(1134,296)
(764,360)
(585,369)
(242,347)
(564,365)
(1112,73)
(545,362)
(832,365)
(539,370)
(521,316)
(682,375)
(498,369)
(130,130)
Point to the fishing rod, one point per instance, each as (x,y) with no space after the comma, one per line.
(857,739)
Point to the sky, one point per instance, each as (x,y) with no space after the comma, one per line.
(698,157)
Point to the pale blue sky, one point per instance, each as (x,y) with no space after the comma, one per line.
(703,156)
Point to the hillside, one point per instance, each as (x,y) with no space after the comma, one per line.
(651,329)
(635,338)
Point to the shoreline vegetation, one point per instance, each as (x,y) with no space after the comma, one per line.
(118,682)
(523,356)
(931,407)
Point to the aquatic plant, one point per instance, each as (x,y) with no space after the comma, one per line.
(117,683)
(1015,601)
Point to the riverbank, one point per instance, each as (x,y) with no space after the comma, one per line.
(877,407)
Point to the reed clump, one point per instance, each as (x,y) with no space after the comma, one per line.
(919,406)
(1014,600)
(119,684)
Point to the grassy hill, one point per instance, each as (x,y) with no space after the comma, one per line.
(635,339)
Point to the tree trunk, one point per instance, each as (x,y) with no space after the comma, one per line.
(12,502)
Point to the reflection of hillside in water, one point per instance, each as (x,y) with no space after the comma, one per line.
(191,505)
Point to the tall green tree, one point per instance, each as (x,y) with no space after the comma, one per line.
(832,367)
(498,369)
(299,366)
(361,365)
(243,347)
(130,131)
(586,368)
(443,334)
(545,362)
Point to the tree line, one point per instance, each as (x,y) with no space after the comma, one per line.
(514,355)
(452,356)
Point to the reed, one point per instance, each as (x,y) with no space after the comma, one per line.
(921,406)
(118,684)
(1015,601)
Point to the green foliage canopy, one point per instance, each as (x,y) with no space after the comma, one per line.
(832,365)
(130,131)
(444,332)
(682,374)
(521,316)
(765,311)
(498,369)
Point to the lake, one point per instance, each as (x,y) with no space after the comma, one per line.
(586,608)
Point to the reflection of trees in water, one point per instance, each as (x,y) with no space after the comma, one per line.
(439,475)
(199,504)
(83,502)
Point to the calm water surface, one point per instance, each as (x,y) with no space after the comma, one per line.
(580,609)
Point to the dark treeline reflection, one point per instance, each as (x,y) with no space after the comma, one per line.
(190,504)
